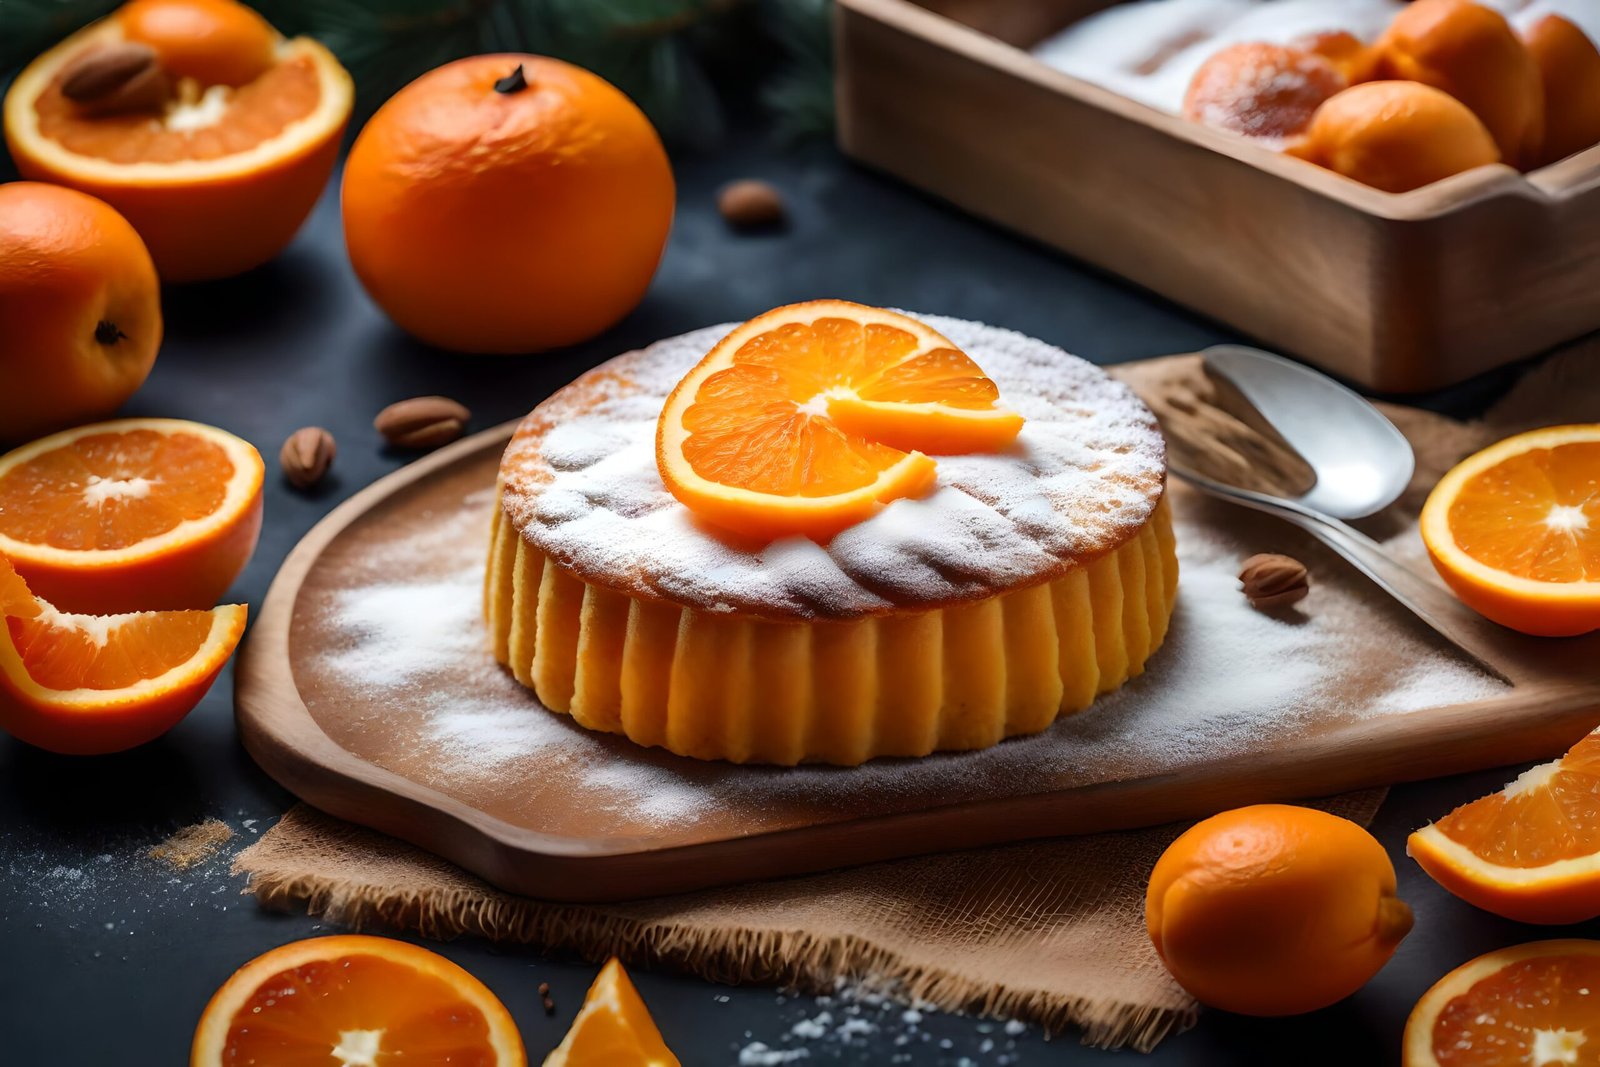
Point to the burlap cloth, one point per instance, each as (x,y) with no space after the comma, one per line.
(1050,932)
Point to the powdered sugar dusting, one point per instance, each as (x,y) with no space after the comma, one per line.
(403,677)
(582,484)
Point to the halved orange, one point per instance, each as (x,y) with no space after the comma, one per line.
(131,515)
(1515,530)
(1536,1004)
(811,417)
(613,1028)
(355,1001)
(218,180)
(1530,852)
(91,684)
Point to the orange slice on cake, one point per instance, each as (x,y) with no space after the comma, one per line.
(613,1028)
(1536,1004)
(1530,852)
(811,417)
(1515,530)
(354,1000)
(90,684)
(131,515)
(225,139)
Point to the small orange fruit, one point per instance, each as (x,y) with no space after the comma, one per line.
(131,515)
(216,180)
(1396,136)
(1530,852)
(1267,92)
(811,417)
(215,42)
(1471,52)
(1530,1004)
(80,309)
(1274,910)
(507,203)
(1355,59)
(1515,531)
(92,684)
(1569,65)
(613,1028)
(353,1000)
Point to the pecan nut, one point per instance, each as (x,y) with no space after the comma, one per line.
(306,456)
(1271,580)
(423,422)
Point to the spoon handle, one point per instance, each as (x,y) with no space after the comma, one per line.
(1489,645)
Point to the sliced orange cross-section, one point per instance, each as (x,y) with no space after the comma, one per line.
(1533,1004)
(1515,530)
(131,515)
(90,684)
(613,1028)
(811,417)
(355,1001)
(1530,852)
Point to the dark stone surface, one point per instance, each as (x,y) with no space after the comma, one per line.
(106,957)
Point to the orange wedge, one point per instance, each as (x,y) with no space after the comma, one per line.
(613,1028)
(91,684)
(1515,531)
(811,417)
(1536,1004)
(1530,852)
(131,515)
(216,172)
(355,1001)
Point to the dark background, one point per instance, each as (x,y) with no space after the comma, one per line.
(107,957)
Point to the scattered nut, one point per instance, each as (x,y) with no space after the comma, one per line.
(422,422)
(1273,581)
(306,456)
(751,205)
(116,78)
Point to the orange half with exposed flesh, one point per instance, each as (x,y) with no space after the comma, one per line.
(91,684)
(216,177)
(811,417)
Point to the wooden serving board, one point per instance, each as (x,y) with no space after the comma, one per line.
(366,689)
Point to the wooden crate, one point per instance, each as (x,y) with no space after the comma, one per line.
(1398,292)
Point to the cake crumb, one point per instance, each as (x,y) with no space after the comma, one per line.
(193,844)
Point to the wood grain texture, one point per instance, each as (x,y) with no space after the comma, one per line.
(563,845)
(1399,292)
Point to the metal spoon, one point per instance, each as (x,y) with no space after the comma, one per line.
(1362,465)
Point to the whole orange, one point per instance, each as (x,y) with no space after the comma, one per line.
(1274,909)
(1396,136)
(1569,64)
(507,203)
(80,309)
(1471,52)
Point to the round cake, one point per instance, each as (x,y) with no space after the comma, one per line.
(1024,584)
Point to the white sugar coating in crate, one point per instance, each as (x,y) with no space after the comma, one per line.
(1229,682)
(1149,50)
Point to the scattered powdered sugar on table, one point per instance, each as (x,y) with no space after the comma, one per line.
(1230,682)
(582,484)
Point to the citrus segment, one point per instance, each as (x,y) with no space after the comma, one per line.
(131,515)
(1536,1004)
(809,418)
(87,684)
(613,1028)
(355,1000)
(1515,530)
(215,174)
(1530,852)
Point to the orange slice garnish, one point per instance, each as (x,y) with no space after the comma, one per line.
(1535,1004)
(1530,852)
(613,1028)
(811,417)
(355,1000)
(89,684)
(1515,530)
(131,515)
